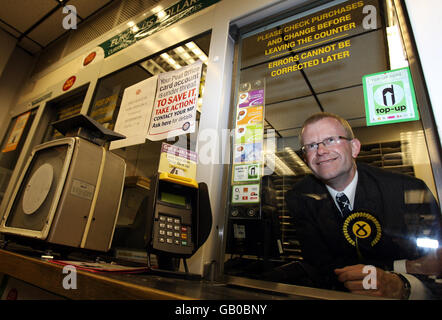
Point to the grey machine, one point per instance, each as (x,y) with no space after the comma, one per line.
(70,190)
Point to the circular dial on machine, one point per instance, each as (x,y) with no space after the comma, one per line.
(37,188)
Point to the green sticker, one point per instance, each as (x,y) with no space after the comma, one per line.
(389,97)
(246,172)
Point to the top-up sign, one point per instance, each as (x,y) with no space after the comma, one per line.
(389,97)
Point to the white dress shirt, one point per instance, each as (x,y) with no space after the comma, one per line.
(349,191)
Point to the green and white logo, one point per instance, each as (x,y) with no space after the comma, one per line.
(247,172)
(388,95)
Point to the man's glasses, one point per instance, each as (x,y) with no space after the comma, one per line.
(327,142)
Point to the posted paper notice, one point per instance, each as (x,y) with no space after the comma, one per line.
(135,110)
(174,109)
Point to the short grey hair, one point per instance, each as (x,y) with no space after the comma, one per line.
(323,115)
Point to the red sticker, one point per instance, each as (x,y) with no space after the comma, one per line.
(12,294)
(90,57)
(69,83)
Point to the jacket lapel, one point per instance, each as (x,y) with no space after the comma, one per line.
(368,196)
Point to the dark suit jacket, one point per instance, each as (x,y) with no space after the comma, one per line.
(403,205)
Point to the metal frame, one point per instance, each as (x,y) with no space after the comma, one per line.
(219,18)
(428,122)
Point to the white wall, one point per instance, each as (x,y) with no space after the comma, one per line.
(12,78)
(7,46)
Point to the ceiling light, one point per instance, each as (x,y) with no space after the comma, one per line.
(161,15)
(197,51)
(184,55)
(153,67)
(170,60)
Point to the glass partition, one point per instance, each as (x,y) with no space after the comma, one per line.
(142,159)
(319,60)
(62,107)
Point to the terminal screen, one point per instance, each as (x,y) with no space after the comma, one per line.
(173,199)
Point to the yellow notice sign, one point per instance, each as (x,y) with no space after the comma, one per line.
(178,161)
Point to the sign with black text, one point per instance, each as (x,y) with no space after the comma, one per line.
(174,109)
(134,115)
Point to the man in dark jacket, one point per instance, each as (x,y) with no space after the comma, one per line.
(349,216)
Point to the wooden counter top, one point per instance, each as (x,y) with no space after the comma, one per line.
(149,286)
(120,286)
(49,276)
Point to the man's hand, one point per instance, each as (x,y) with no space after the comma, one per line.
(388,285)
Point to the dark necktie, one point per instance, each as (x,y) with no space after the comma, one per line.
(344,204)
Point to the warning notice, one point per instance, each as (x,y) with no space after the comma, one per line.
(174,109)
(313,40)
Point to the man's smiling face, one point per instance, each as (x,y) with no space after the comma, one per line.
(334,165)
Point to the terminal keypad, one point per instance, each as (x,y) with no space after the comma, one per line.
(171,231)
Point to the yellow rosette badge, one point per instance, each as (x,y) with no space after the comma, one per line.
(362,227)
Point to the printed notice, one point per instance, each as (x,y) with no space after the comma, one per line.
(135,110)
(249,134)
(82,189)
(174,110)
(250,115)
(16,133)
(249,152)
(103,110)
(246,193)
(178,161)
(315,40)
(251,98)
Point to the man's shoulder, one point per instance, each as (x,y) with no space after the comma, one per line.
(388,176)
